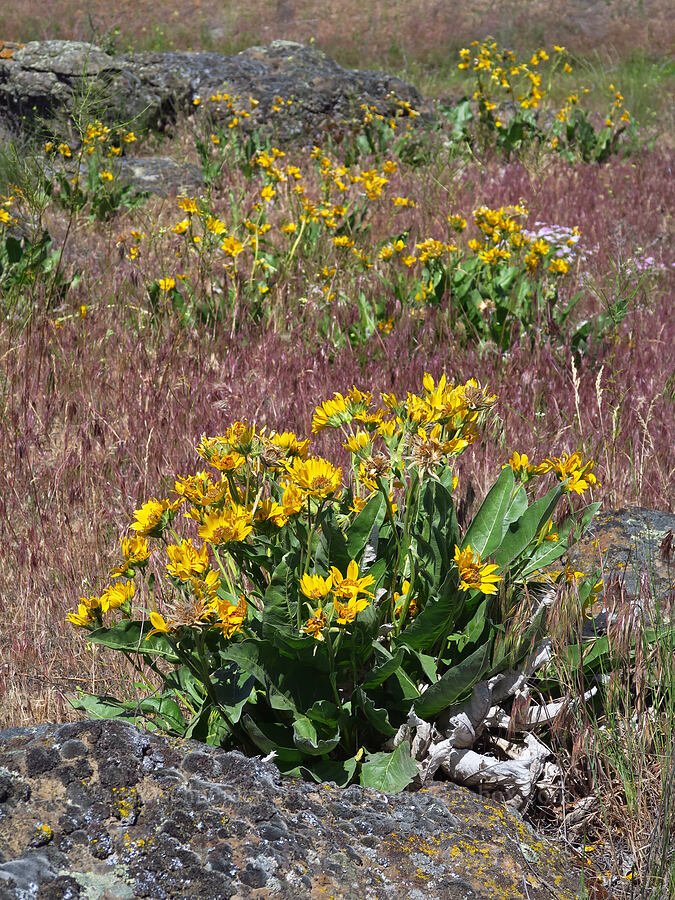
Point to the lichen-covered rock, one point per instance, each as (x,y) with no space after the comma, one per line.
(632,549)
(103,810)
(51,79)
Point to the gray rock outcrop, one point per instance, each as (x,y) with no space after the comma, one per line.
(104,810)
(45,80)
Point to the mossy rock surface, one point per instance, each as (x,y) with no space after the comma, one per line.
(105,810)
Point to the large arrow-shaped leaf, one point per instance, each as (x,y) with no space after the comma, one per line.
(370,517)
(522,532)
(454,682)
(389,772)
(487,528)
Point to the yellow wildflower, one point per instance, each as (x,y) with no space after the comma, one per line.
(315,587)
(230,617)
(82,618)
(188,205)
(135,552)
(317,477)
(117,595)
(186,560)
(159,625)
(228,526)
(349,586)
(316,624)
(347,612)
(473,575)
(153,517)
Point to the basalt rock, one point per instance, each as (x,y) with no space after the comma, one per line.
(57,80)
(634,550)
(104,810)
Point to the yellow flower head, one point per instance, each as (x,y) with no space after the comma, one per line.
(230,617)
(270,511)
(357,442)
(117,595)
(317,477)
(188,205)
(331,413)
(347,612)
(186,560)
(315,587)
(316,624)
(231,246)
(228,526)
(293,500)
(473,575)
(290,444)
(559,266)
(153,517)
(240,437)
(159,625)
(520,464)
(136,554)
(349,586)
(576,476)
(218,453)
(82,618)
(215,226)
(201,489)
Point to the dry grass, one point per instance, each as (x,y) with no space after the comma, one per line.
(101,412)
(398,33)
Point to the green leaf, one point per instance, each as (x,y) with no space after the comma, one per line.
(233,689)
(487,528)
(100,707)
(548,551)
(164,711)
(359,532)
(325,712)
(332,549)
(522,532)
(320,770)
(377,717)
(306,738)
(275,738)
(454,682)
(473,630)
(246,655)
(130,635)
(183,680)
(380,673)
(437,616)
(14,249)
(428,666)
(389,772)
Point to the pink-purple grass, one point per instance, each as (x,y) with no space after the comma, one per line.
(101,413)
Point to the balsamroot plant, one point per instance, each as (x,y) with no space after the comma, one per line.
(510,107)
(287,606)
